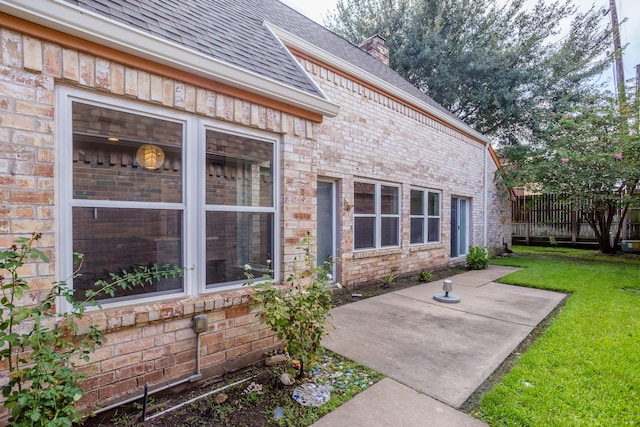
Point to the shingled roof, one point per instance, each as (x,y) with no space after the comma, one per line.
(233,31)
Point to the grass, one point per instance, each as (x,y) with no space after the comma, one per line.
(585,369)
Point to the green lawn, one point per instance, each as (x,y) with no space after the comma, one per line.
(585,369)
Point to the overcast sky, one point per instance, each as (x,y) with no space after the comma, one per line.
(629,31)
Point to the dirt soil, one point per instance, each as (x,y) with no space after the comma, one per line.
(258,412)
(361,291)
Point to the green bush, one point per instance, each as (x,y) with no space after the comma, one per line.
(388,280)
(425,276)
(40,346)
(297,310)
(478,257)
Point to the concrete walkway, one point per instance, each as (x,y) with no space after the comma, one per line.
(434,354)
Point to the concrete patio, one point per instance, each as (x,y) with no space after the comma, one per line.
(434,354)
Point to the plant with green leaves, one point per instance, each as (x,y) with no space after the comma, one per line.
(425,276)
(477,258)
(389,279)
(41,347)
(297,310)
(590,156)
(500,66)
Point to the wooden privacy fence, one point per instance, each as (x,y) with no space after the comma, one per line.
(536,219)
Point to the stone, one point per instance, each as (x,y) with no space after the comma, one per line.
(220,398)
(286,379)
(276,359)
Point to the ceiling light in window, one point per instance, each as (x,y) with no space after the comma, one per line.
(113,139)
(150,156)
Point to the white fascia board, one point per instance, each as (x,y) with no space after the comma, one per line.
(297,43)
(270,27)
(87,25)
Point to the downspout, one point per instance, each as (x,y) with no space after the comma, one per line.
(486,197)
(199,326)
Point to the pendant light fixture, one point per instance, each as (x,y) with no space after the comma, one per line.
(150,156)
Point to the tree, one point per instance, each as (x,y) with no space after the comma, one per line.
(591,156)
(500,68)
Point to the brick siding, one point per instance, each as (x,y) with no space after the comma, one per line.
(374,137)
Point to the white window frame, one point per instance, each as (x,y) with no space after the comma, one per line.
(193,190)
(425,217)
(275,209)
(378,215)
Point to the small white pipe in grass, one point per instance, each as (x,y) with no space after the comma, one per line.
(141,396)
(197,398)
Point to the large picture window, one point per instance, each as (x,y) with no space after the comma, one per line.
(142,185)
(425,216)
(376,215)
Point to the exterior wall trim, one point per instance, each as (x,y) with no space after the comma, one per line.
(314,54)
(60,22)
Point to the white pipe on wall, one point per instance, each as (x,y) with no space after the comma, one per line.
(486,197)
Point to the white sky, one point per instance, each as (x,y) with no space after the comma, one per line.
(629,31)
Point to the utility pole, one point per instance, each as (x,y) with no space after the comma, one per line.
(638,79)
(622,99)
(636,99)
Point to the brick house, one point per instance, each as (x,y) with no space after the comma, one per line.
(217,134)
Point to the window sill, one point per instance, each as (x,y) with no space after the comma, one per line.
(376,253)
(426,247)
(110,319)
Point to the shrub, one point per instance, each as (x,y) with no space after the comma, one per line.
(297,311)
(40,346)
(478,257)
(388,280)
(425,276)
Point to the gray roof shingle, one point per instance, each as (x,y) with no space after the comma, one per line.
(232,31)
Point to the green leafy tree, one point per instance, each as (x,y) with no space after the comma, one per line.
(500,68)
(591,156)
(41,347)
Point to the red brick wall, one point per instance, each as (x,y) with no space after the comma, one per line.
(146,341)
(375,137)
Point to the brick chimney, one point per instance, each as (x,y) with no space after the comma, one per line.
(376,46)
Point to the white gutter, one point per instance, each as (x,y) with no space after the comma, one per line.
(72,20)
(486,198)
(328,58)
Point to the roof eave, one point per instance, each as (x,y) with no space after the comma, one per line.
(90,26)
(301,45)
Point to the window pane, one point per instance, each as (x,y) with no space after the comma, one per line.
(417,230)
(434,229)
(390,205)
(463,226)
(112,240)
(434,204)
(364,233)
(417,202)
(365,198)
(239,170)
(235,239)
(390,232)
(124,156)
